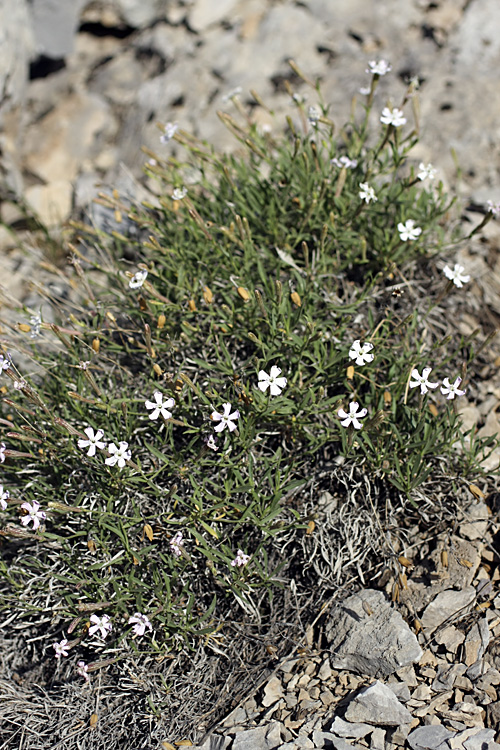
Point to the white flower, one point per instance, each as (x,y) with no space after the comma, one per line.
(160,407)
(271,381)
(176,543)
(392,117)
(408,230)
(427,171)
(138,279)
(365,90)
(4,496)
(450,390)
(33,514)
(119,454)
(20,384)
(240,559)
(94,441)
(61,648)
(141,623)
(379,68)
(84,364)
(226,419)
(494,208)
(344,161)
(83,669)
(2,453)
(5,363)
(313,114)
(456,275)
(171,129)
(211,442)
(179,193)
(353,416)
(361,353)
(367,193)
(422,380)
(103,624)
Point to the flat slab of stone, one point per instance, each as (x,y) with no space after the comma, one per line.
(375,644)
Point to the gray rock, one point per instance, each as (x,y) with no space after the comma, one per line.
(143,13)
(16,48)
(377,644)
(400,690)
(260,738)
(377,705)
(377,739)
(482,740)
(429,737)
(54,25)
(347,729)
(205,13)
(446,604)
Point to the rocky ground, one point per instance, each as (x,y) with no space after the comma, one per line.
(84,88)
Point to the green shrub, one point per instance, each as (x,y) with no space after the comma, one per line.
(282,255)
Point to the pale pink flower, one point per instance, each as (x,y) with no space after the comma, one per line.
(102,624)
(61,648)
(240,559)
(83,669)
(4,496)
(33,514)
(226,419)
(176,544)
(140,622)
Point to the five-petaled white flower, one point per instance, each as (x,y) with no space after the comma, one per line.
(94,441)
(426,171)
(408,230)
(141,623)
(494,208)
(119,454)
(344,161)
(422,380)
(226,419)
(361,353)
(394,117)
(2,452)
(61,648)
(456,275)
(450,390)
(33,514)
(103,624)
(240,559)
(271,381)
(179,193)
(83,669)
(5,363)
(353,417)
(4,496)
(138,279)
(176,543)
(160,406)
(171,129)
(378,68)
(367,193)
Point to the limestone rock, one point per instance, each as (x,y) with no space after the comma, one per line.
(205,13)
(446,604)
(16,48)
(377,705)
(376,644)
(54,24)
(429,737)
